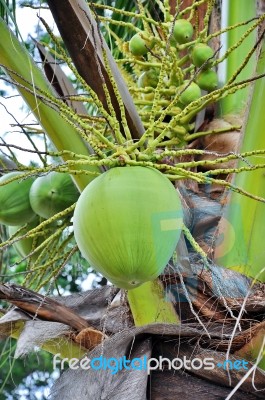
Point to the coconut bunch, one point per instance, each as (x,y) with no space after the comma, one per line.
(186,70)
(25,202)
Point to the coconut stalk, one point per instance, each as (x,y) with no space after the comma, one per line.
(149,304)
(28,78)
(241,224)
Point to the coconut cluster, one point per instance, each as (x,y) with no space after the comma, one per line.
(201,57)
(25,201)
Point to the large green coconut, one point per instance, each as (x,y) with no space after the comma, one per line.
(15,208)
(127,223)
(52,193)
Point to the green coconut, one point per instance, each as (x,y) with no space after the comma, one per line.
(15,208)
(182,31)
(200,54)
(190,94)
(139,46)
(127,223)
(207,80)
(52,193)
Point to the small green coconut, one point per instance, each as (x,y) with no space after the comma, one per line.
(139,46)
(200,54)
(182,31)
(192,93)
(207,80)
(52,193)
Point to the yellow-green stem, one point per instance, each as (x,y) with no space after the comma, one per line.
(149,304)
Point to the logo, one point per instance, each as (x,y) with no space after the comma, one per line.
(114,365)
